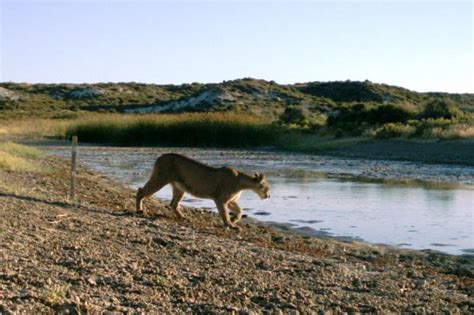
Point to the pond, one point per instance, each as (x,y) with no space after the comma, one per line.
(404,204)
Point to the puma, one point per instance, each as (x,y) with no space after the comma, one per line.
(223,185)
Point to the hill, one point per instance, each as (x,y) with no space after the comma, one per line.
(257,97)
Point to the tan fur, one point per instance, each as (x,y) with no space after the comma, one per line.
(223,185)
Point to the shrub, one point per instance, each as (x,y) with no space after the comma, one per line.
(348,117)
(395,130)
(388,113)
(443,108)
(294,115)
(360,114)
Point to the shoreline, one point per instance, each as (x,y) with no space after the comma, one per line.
(114,162)
(57,256)
(450,152)
(454,152)
(350,153)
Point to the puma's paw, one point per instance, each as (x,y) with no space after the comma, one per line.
(182,218)
(234,221)
(233,227)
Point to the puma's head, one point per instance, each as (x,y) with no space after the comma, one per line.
(262,189)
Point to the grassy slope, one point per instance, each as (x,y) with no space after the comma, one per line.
(250,96)
(239,113)
(263,98)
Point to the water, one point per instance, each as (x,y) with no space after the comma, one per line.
(404,204)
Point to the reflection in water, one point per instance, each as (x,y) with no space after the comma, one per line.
(444,196)
(330,196)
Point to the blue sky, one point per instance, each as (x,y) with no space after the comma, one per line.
(423,46)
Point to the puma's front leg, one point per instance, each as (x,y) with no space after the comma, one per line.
(221,206)
(139,201)
(236,210)
(177,197)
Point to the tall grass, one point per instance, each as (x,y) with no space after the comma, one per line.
(20,150)
(17,157)
(34,127)
(190,129)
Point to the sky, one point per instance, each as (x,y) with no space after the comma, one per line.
(422,45)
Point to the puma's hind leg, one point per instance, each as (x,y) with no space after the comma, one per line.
(151,187)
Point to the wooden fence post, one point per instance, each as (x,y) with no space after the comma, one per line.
(72,191)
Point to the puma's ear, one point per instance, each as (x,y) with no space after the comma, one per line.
(256,177)
(259,177)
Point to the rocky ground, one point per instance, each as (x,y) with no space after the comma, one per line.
(100,256)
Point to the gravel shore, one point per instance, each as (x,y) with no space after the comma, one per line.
(98,255)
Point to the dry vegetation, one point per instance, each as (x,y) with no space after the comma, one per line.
(17,157)
(34,127)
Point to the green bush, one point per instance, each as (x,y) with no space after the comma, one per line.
(388,114)
(394,130)
(361,115)
(348,118)
(294,115)
(443,108)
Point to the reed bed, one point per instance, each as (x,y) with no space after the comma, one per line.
(188,129)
